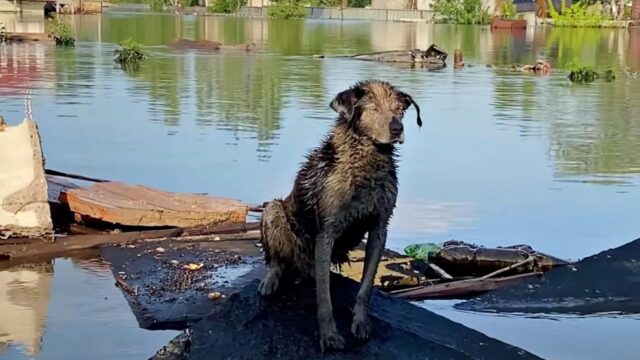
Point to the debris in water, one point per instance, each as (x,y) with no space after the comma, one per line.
(160,249)
(174,262)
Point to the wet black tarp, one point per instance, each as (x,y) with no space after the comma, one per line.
(285,327)
(169,297)
(245,325)
(605,282)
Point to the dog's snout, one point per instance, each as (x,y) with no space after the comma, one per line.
(396,127)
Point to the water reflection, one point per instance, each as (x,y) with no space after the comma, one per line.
(238,124)
(25,292)
(69,309)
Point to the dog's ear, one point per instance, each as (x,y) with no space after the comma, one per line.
(407,100)
(345,102)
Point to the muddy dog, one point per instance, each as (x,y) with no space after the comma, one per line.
(345,189)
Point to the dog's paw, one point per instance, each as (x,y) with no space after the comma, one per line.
(268,286)
(331,340)
(361,327)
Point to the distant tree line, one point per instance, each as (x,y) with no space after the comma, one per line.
(335,3)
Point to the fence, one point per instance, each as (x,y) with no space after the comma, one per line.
(349,14)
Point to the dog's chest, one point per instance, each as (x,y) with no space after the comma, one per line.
(362,192)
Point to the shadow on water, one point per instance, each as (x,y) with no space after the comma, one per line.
(503,157)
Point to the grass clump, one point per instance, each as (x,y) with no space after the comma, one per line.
(586,74)
(130,55)
(62,32)
(460,12)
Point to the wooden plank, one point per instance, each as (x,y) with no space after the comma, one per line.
(135,205)
(463,288)
(56,186)
(505,269)
(443,274)
(34,248)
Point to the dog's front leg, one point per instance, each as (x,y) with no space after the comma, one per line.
(361,326)
(329,336)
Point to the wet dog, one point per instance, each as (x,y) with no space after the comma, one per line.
(345,189)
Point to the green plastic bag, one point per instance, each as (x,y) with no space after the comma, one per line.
(422,251)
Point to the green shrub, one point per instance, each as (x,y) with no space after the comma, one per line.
(508,9)
(157,5)
(460,12)
(225,6)
(62,32)
(130,55)
(576,15)
(287,9)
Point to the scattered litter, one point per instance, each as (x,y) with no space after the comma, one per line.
(215,296)
(192,266)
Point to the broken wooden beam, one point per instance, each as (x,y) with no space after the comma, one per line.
(64,244)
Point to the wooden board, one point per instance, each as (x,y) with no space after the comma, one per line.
(463,288)
(136,205)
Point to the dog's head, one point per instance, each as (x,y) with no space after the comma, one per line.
(375,109)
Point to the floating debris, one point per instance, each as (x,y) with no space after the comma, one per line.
(586,74)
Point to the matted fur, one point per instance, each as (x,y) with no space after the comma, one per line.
(346,188)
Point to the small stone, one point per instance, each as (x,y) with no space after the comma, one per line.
(237,257)
(160,249)
(217,251)
(258,245)
(215,295)
(174,262)
(216,238)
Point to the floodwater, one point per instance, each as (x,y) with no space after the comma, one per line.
(503,157)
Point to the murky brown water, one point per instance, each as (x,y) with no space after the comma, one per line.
(503,158)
